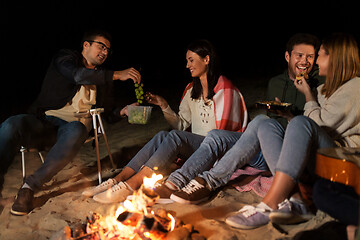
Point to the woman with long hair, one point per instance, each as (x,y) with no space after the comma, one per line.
(331,119)
(209,102)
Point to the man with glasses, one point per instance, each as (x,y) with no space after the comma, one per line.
(74,83)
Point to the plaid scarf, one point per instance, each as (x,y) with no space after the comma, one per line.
(230,109)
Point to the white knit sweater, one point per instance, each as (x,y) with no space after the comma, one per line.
(339,114)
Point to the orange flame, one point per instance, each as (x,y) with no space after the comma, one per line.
(172,223)
(150,182)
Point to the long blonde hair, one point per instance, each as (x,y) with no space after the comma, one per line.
(344,61)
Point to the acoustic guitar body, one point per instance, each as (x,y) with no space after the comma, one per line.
(340,165)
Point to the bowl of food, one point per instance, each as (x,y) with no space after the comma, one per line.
(139,114)
(273,105)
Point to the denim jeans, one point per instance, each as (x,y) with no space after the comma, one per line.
(64,138)
(221,146)
(293,151)
(164,148)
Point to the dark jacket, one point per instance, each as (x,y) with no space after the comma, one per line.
(63,79)
(283,88)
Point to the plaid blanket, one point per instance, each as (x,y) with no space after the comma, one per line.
(260,185)
(230,109)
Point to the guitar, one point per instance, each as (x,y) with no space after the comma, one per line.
(341,164)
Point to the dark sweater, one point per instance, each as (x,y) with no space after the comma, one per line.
(65,76)
(283,88)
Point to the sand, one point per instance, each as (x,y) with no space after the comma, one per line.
(60,203)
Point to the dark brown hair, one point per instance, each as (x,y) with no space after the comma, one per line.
(302,38)
(92,34)
(204,48)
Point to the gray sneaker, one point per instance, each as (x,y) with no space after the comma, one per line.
(291,212)
(249,217)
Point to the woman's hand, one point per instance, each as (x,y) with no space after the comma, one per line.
(156,100)
(124,112)
(130,73)
(305,89)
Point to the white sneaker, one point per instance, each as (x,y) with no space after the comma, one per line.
(291,211)
(117,193)
(250,217)
(100,188)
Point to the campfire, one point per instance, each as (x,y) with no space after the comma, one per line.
(133,219)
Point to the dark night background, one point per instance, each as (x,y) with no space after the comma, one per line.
(250,38)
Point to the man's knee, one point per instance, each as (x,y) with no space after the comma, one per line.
(17,125)
(300,120)
(268,124)
(259,118)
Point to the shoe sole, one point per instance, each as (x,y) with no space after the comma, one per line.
(17,213)
(109,200)
(99,200)
(91,194)
(239,226)
(159,201)
(183,201)
(288,218)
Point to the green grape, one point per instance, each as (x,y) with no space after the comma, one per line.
(139,92)
(139,115)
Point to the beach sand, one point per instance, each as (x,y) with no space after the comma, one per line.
(60,203)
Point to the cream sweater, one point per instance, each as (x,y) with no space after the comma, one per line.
(82,102)
(194,113)
(339,114)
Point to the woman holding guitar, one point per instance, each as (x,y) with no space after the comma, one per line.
(331,119)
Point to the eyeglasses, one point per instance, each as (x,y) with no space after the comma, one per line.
(102,46)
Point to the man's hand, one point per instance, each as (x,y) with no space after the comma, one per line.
(124,112)
(130,73)
(283,113)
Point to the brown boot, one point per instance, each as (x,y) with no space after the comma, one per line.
(23,204)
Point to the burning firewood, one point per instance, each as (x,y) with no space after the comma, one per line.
(134,220)
(180,233)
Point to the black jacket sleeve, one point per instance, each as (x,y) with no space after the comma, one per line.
(64,77)
(69,64)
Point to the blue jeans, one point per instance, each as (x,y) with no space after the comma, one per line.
(164,148)
(64,138)
(293,151)
(223,146)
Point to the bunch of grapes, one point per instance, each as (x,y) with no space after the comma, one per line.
(139,92)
